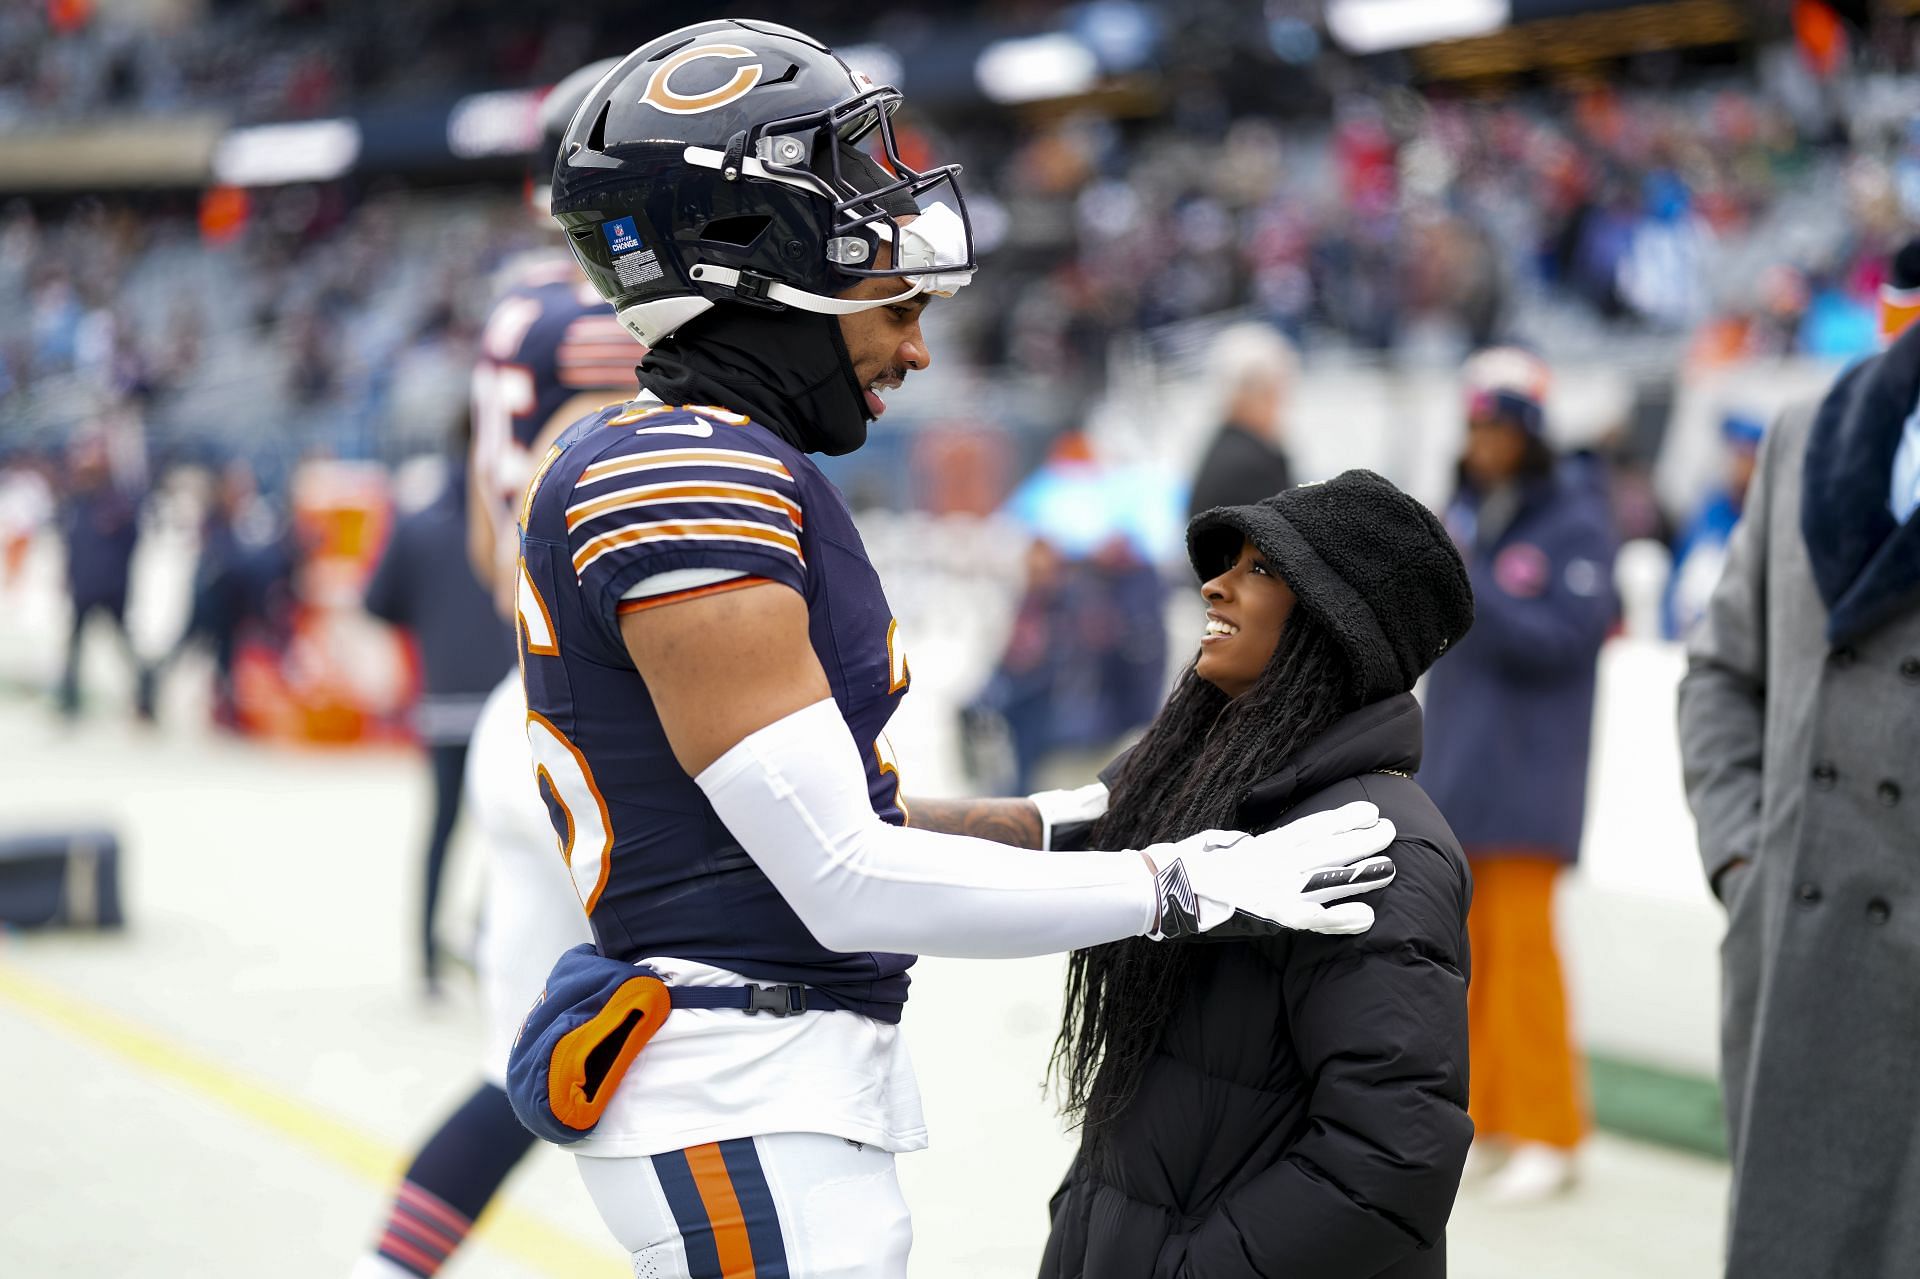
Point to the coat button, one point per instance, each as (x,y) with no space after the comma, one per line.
(1878,912)
(1825,775)
(1889,793)
(1844,656)
(1910,669)
(1807,894)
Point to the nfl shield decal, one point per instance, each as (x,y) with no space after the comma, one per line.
(621,236)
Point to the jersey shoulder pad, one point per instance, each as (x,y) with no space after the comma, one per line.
(672,487)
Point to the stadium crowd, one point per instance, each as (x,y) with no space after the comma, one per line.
(1692,205)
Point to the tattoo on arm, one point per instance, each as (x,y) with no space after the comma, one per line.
(1004,821)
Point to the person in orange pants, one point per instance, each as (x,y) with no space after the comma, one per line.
(1509,720)
(1527,1086)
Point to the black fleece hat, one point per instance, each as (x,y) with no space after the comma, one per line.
(1371,562)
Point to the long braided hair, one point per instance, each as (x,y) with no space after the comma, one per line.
(1188,774)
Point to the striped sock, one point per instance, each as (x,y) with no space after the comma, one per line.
(456,1172)
(422,1231)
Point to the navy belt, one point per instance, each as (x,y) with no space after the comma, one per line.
(781,1001)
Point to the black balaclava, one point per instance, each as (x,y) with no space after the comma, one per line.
(789,370)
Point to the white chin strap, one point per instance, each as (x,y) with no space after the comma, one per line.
(653,322)
(726,277)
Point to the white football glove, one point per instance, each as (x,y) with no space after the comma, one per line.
(1229,884)
(1066,807)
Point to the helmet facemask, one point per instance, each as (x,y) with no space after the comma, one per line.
(876,200)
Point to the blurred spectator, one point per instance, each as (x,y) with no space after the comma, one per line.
(244,572)
(1798,736)
(100,524)
(1086,659)
(1664,275)
(424,584)
(1700,552)
(1510,716)
(26,504)
(1252,367)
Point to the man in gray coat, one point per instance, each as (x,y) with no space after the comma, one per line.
(1800,734)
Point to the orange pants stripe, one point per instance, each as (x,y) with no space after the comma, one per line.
(729,1224)
(1528,1084)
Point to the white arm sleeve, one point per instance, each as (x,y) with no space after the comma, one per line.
(795,795)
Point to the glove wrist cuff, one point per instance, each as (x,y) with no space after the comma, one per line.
(1177,910)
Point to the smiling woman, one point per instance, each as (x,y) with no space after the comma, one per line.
(1247,607)
(1324,605)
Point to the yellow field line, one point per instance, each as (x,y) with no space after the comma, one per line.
(525,1238)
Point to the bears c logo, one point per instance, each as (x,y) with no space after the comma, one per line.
(660,92)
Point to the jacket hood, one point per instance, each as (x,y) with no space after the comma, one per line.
(1382,736)
(1866,565)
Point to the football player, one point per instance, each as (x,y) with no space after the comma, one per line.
(710,665)
(551,350)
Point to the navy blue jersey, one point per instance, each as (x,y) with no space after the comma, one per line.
(548,338)
(624,497)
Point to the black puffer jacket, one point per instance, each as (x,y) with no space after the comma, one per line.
(1306,1116)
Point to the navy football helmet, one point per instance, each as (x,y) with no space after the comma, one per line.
(728,162)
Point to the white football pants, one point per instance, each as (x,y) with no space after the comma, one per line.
(786,1206)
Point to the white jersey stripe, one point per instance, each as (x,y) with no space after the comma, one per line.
(686,531)
(638,463)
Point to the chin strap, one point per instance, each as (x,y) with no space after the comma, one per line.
(758,287)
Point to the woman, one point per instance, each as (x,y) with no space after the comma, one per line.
(1291,1105)
(1507,759)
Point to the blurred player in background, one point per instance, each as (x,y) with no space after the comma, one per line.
(100,525)
(710,665)
(551,351)
(463,644)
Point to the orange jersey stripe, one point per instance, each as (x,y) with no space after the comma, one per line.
(614,339)
(686,530)
(681,597)
(636,412)
(682,457)
(710,491)
(596,377)
(723,1211)
(599,353)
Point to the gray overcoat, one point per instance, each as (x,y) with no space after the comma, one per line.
(1804,758)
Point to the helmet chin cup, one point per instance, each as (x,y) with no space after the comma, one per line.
(651,321)
(723,163)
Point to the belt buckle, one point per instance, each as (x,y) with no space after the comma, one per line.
(781,1001)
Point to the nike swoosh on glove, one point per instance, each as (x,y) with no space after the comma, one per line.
(1229,884)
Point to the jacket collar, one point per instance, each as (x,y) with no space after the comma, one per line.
(1866,565)
(1379,737)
